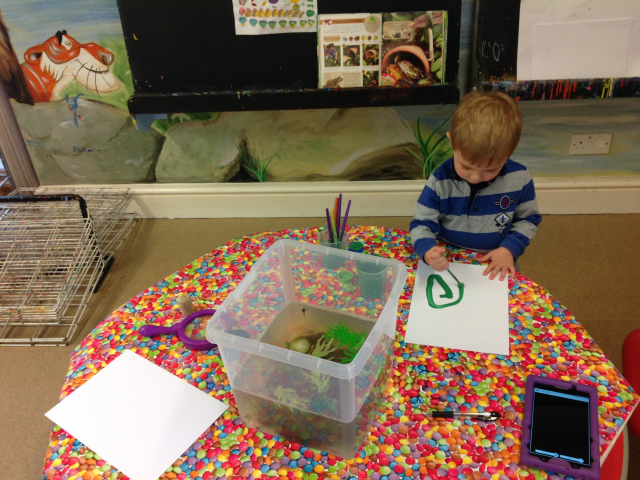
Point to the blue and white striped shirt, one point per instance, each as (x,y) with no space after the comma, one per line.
(504,214)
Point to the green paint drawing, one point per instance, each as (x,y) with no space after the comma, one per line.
(448,293)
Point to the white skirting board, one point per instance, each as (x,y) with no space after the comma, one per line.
(578,195)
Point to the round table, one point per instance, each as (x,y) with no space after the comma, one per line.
(545,339)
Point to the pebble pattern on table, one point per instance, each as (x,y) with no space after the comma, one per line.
(403,443)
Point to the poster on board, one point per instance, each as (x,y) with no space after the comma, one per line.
(265,17)
(576,39)
(401,49)
(470,315)
(349,50)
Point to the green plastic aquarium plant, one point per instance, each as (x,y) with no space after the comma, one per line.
(346,337)
(323,348)
(288,397)
(352,351)
(320,380)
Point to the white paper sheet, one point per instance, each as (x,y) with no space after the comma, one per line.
(137,416)
(479,322)
(584,43)
(262,17)
(555,46)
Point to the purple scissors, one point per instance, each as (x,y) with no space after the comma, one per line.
(184,328)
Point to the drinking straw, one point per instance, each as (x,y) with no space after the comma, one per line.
(339,215)
(335,218)
(335,230)
(344,221)
(330,237)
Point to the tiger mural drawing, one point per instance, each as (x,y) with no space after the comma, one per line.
(53,65)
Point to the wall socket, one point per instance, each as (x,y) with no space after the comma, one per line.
(594,144)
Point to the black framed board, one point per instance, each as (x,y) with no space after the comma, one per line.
(494,62)
(185,57)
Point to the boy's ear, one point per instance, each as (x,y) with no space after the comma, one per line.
(449,135)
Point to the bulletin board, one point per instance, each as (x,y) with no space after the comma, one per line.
(494,61)
(186,56)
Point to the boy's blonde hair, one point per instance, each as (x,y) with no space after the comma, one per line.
(486,127)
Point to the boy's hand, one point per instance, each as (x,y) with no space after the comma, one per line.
(501,263)
(435,259)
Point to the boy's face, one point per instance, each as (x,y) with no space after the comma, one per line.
(475,173)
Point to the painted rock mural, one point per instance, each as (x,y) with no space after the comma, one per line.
(302,145)
(83,141)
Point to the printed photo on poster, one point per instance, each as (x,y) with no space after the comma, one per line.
(371,78)
(351,55)
(331,55)
(413,48)
(342,79)
(371,55)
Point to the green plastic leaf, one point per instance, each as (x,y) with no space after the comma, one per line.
(437,65)
(323,348)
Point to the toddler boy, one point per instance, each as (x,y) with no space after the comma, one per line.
(479,199)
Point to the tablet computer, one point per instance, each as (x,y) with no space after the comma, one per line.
(560,429)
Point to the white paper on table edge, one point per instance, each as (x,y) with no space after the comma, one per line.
(129,356)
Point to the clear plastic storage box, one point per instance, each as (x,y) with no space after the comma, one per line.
(290,293)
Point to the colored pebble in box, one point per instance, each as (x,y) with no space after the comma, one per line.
(402,442)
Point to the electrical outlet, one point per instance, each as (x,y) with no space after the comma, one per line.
(594,144)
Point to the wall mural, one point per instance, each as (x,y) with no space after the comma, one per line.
(62,60)
(69,80)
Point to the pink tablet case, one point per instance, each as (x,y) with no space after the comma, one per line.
(555,464)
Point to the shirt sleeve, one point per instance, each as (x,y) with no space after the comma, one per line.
(425,224)
(525,222)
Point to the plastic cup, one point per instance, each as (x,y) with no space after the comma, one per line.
(357,247)
(329,260)
(372,279)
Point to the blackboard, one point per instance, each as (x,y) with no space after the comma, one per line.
(495,52)
(189,47)
(494,62)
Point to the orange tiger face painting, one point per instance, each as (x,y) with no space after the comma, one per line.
(61,60)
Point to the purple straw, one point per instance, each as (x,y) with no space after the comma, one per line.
(330,239)
(338,219)
(344,222)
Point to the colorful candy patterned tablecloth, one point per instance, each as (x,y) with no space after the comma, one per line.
(403,442)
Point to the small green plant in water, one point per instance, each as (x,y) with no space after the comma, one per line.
(432,155)
(288,396)
(343,334)
(256,163)
(320,380)
(346,337)
(352,351)
(323,348)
